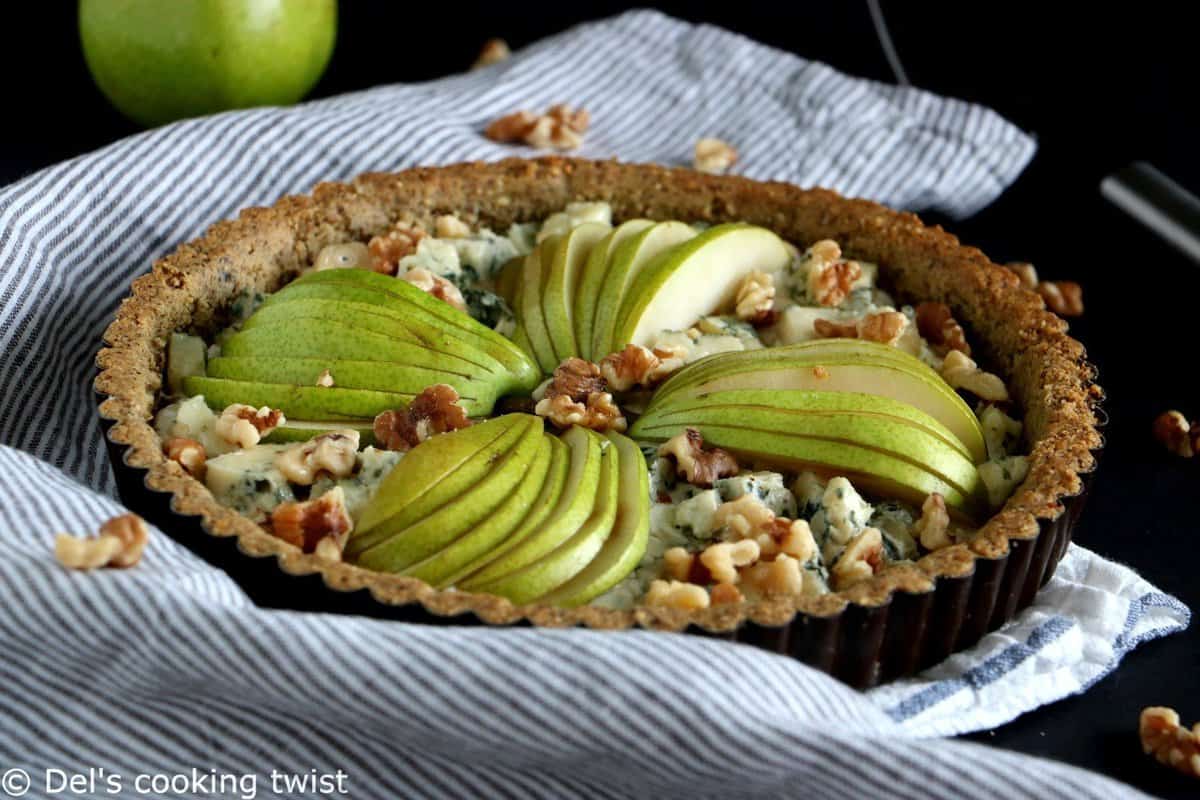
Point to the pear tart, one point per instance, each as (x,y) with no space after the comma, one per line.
(563,392)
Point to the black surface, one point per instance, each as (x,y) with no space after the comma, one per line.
(1099,90)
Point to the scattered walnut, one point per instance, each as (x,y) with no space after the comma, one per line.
(245,426)
(1026,272)
(306,524)
(725,593)
(677,563)
(576,379)
(723,559)
(933,527)
(714,156)
(437,286)
(862,558)
(330,547)
(755,297)
(560,128)
(885,327)
(1064,298)
(387,250)
(780,577)
(435,410)
(638,366)
(334,454)
(677,594)
(188,453)
(119,543)
(830,277)
(494,51)
(744,516)
(1172,429)
(937,325)
(350,255)
(1169,742)
(511,127)
(597,412)
(794,538)
(449,226)
(832,329)
(325,379)
(692,462)
(962,373)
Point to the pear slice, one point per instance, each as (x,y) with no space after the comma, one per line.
(694,279)
(624,548)
(573,508)
(580,549)
(529,304)
(508,278)
(495,528)
(301,430)
(561,283)
(432,474)
(553,486)
(303,402)
(401,298)
(883,441)
(883,371)
(591,280)
(624,265)
(480,507)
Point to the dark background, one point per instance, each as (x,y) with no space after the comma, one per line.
(1098,89)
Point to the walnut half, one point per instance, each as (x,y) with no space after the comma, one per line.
(119,543)
(578,395)
(698,466)
(309,523)
(1168,741)
(435,410)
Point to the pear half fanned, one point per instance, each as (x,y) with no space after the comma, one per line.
(591,283)
(529,304)
(561,281)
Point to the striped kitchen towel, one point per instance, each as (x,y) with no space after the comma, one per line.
(165,680)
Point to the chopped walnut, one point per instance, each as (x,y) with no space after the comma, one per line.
(1172,429)
(830,277)
(639,366)
(576,378)
(725,593)
(794,538)
(325,379)
(723,559)
(333,454)
(1168,741)
(449,226)
(1025,271)
(494,51)
(933,527)
(350,255)
(1064,298)
(119,543)
(692,462)
(387,250)
(885,327)
(244,426)
(779,578)
(560,128)
(744,516)
(435,410)
(306,524)
(188,453)
(437,286)
(747,517)
(862,558)
(597,412)
(677,594)
(937,325)
(713,156)
(677,563)
(755,297)
(962,373)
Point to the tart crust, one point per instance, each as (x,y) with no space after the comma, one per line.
(263,248)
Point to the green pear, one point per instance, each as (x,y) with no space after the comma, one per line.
(401,298)
(695,279)
(507,278)
(876,369)
(624,548)
(591,281)
(299,430)
(573,555)
(571,511)
(529,304)
(186,356)
(624,265)
(432,474)
(482,507)
(561,283)
(302,402)
(553,486)
(484,537)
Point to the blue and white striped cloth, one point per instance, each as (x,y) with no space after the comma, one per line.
(169,672)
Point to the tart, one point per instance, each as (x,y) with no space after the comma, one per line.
(566,392)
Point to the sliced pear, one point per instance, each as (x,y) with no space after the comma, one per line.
(300,430)
(553,486)
(484,537)
(432,474)
(624,548)
(624,265)
(529,305)
(474,509)
(573,555)
(304,402)
(507,279)
(573,508)
(186,356)
(403,299)
(695,279)
(561,283)
(878,370)
(591,281)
